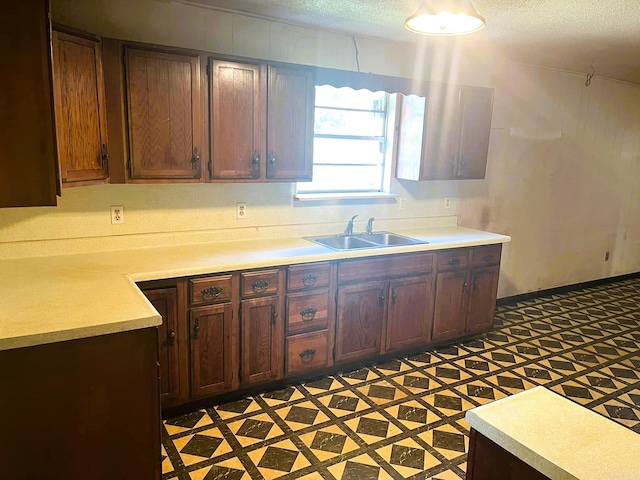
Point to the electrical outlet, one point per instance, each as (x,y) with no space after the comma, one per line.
(447,202)
(241,210)
(117,214)
(402,203)
(606,256)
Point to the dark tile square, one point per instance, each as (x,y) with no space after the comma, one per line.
(407,456)
(621,342)
(479,365)
(527,350)
(513,316)
(322,384)
(585,357)
(393,365)
(202,446)
(503,357)
(635,398)
(604,350)
(329,442)
(551,344)
(520,332)
(343,403)
(255,429)
(562,365)
(381,391)
(223,473)
(360,374)
(416,382)
(450,350)
(510,382)
(474,344)
(422,358)
(601,382)
(445,401)
(450,373)
(624,413)
(623,372)
(576,392)
(302,415)
(570,337)
(481,392)
(373,426)
(239,406)
(283,395)
(278,459)
(498,338)
(412,414)
(359,471)
(448,440)
(189,420)
(591,331)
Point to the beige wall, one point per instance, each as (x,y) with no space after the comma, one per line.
(563,200)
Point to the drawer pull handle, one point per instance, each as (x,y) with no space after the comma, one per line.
(195,159)
(172,338)
(488,258)
(309,280)
(260,286)
(213,292)
(455,261)
(196,329)
(307,355)
(308,314)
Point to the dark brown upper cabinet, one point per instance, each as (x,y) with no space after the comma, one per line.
(261,121)
(28,158)
(445,135)
(163,115)
(81,123)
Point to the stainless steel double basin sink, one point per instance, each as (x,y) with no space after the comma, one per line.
(359,241)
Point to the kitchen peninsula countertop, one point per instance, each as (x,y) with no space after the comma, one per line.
(58,298)
(558,437)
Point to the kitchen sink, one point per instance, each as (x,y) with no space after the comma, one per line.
(356,242)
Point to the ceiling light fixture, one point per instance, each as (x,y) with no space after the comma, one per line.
(445,18)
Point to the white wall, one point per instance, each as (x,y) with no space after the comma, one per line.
(560,180)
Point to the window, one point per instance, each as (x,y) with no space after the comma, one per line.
(350,141)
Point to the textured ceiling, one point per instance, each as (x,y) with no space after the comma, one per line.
(564,34)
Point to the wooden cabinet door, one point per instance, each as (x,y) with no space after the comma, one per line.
(212,369)
(361,310)
(163,113)
(450,310)
(439,152)
(291,96)
(482,298)
(28,157)
(262,344)
(81,125)
(476,105)
(410,312)
(165,301)
(238,98)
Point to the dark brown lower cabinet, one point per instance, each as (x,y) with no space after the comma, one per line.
(450,312)
(409,317)
(361,309)
(489,461)
(212,350)
(482,298)
(79,409)
(261,340)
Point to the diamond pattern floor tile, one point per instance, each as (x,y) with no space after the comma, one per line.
(404,418)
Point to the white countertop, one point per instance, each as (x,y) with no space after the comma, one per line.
(558,437)
(57,298)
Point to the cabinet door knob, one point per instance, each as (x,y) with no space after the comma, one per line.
(307,355)
(393,295)
(104,156)
(196,328)
(309,280)
(381,299)
(255,163)
(195,159)
(272,158)
(308,314)
(260,286)
(172,337)
(475,283)
(274,315)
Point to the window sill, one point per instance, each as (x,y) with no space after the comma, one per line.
(314,197)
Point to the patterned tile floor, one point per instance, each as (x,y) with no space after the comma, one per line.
(405,418)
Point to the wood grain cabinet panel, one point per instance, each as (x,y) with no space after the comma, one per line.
(163,113)
(307,352)
(216,289)
(307,311)
(81,123)
(28,155)
(482,298)
(212,368)
(410,313)
(261,344)
(237,110)
(361,310)
(451,300)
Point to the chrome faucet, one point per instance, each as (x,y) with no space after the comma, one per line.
(369,230)
(349,229)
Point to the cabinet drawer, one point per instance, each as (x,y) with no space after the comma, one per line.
(307,311)
(486,256)
(387,266)
(302,277)
(306,352)
(452,259)
(210,290)
(255,284)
